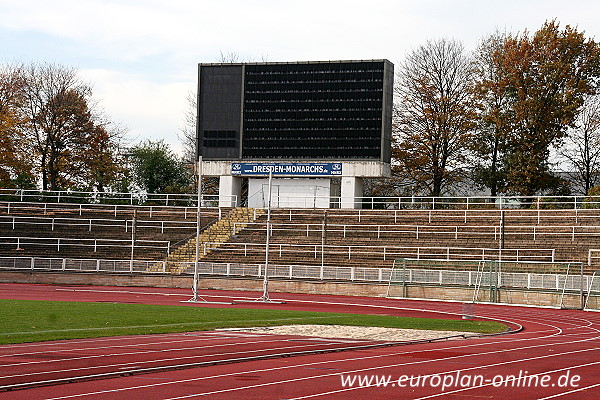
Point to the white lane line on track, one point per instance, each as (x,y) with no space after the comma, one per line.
(69,350)
(490,384)
(251,298)
(147,362)
(173,350)
(201,335)
(32,373)
(490,314)
(329,362)
(570,392)
(216,337)
(460,370)
(362,370)
(450,392)
(135,338)
(525,310)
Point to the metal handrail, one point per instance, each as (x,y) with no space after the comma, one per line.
(388,202)
(389,251)
(113,208)
(94,222)
(53,241)
(533,230)
(76,197)
(188,238)
(447,202)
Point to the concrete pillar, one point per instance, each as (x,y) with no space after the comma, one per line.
(351,192)
(230,191)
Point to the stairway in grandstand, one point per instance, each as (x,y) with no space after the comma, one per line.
(211,238)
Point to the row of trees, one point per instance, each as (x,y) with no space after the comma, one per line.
(54,137)
(495,116)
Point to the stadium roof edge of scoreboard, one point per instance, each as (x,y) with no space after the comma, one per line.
(219,64)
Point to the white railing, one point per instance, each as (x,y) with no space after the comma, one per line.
(81,265)
(477,202)
(445,202)
(57,243)
(11,207)
(431,216)
(525,280)
(90,223)
(384,253)
(455,231)
(442,277)
(403,202)
(593,254)
(76,197)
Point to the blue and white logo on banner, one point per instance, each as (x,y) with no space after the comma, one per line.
(288,169)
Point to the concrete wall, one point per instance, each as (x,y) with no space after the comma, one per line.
(289,193)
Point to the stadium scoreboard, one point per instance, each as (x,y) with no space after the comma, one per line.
(297,111)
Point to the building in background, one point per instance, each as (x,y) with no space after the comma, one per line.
(320,127)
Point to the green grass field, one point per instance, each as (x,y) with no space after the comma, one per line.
(33,321)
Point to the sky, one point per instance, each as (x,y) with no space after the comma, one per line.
(141,56)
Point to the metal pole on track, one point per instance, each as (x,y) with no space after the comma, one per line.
(265,296)
(195,298)
(498,273)
(133,222)
(198,213)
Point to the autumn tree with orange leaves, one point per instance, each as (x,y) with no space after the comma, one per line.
(66,143)
(543,79)
(15,161)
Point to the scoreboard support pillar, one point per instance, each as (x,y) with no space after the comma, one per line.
(230,191)
(351,192)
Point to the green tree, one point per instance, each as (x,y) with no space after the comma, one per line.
(545,78)
(156,169)
(434,115)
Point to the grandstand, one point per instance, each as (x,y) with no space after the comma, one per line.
(325,244)
(95,230)
(375,238)
(344,237)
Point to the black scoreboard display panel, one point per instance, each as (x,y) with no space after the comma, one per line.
(298,111)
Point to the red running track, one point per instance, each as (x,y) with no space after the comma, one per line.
(556,355)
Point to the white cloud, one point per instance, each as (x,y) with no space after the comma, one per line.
(148,109)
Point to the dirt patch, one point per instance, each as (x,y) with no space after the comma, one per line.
(353,332)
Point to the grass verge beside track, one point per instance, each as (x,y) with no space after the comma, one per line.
(34,321)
